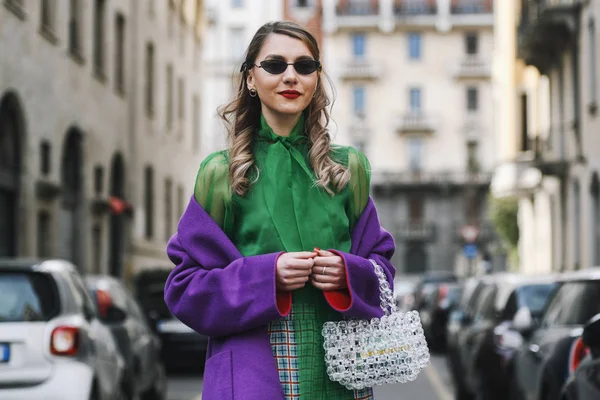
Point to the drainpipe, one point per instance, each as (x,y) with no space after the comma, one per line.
(579,157)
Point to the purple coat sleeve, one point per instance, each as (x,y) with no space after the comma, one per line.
(213,289)
(369,241)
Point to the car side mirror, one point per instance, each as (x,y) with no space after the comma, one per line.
(523,321)
(591,335)
(113,314)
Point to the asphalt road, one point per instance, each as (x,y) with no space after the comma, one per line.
(432,384)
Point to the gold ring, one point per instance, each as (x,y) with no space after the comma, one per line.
(323,273)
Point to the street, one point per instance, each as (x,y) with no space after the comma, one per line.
(432,384)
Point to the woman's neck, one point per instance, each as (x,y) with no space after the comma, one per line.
(281,124)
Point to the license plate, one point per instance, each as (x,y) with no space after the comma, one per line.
(4,352)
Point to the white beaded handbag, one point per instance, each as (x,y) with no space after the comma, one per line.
(390,349)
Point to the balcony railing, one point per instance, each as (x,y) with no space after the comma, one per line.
(472,6)
(428,178)
(545,30)
(364,7)
(415,7)
(360,69)
(473,67)
(416,122)
(415,230)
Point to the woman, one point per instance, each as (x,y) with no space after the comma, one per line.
(250,272)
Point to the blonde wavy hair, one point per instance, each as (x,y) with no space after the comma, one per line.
(242,118)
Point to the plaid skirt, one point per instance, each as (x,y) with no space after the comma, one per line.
(284,346)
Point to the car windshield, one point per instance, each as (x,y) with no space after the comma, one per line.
(535,297)
(26,296)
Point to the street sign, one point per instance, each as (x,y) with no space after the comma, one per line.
(470,250)
(469,233)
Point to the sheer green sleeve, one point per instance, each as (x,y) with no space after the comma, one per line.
(360,181)
(213,190)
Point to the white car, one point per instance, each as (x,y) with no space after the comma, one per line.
(52,345)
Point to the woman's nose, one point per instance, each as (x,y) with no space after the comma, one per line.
(289,75)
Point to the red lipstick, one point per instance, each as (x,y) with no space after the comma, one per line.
(290,94)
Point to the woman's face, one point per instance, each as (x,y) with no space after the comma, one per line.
(288,93)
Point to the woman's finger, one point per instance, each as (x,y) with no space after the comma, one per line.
(302,254)
(325,286)
(324,278)
(330,270)
(324,261)
(325,253)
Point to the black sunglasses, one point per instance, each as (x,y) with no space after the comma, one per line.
(303,67)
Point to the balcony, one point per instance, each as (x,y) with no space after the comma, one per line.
(485,231)
(415,7)
(357,8)
(545,160)
(461,7)
(545,30)
(360,69)
(416,122)
(416,230)
(432,180)
(473,67)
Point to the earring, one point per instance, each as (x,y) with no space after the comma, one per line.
(252,92)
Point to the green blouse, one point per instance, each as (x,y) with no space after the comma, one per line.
(284,210)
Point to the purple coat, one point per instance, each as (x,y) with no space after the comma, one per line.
(230,298)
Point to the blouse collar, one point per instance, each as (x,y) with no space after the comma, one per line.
(296,136)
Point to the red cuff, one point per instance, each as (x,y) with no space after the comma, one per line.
(282,299)
(284,302)
(340,300)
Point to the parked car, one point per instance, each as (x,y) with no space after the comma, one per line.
(435,310)
(429,281)
(404,289)
(584,382)
(52,344)
(181,345)
(483,351)
(139,345)
(545,360)
(459,320)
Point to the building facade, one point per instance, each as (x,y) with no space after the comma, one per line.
(99,106)
(559,208)
(231,25)
(413,81)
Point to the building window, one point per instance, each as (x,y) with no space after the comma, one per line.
(471,43)
(120,53)
(415,99)
(302,3)
(169,102)
(99,17)
(97,248)
(358,98)
(577,224)
(237,43)
(43,234)
(416,208)
(149,79)
(149,201)
(595,189)
(47,16)
(74,28)
(415,154)
(168,208)
(472,159)
(98,180)
(414,46)
(359,44)
(196,123)
(181,106)
(524,123)
(237,3)
(472,99)
(45,161)
(593,71)
(180,201)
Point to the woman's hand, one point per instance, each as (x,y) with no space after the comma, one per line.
(329,271)
(293,270)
